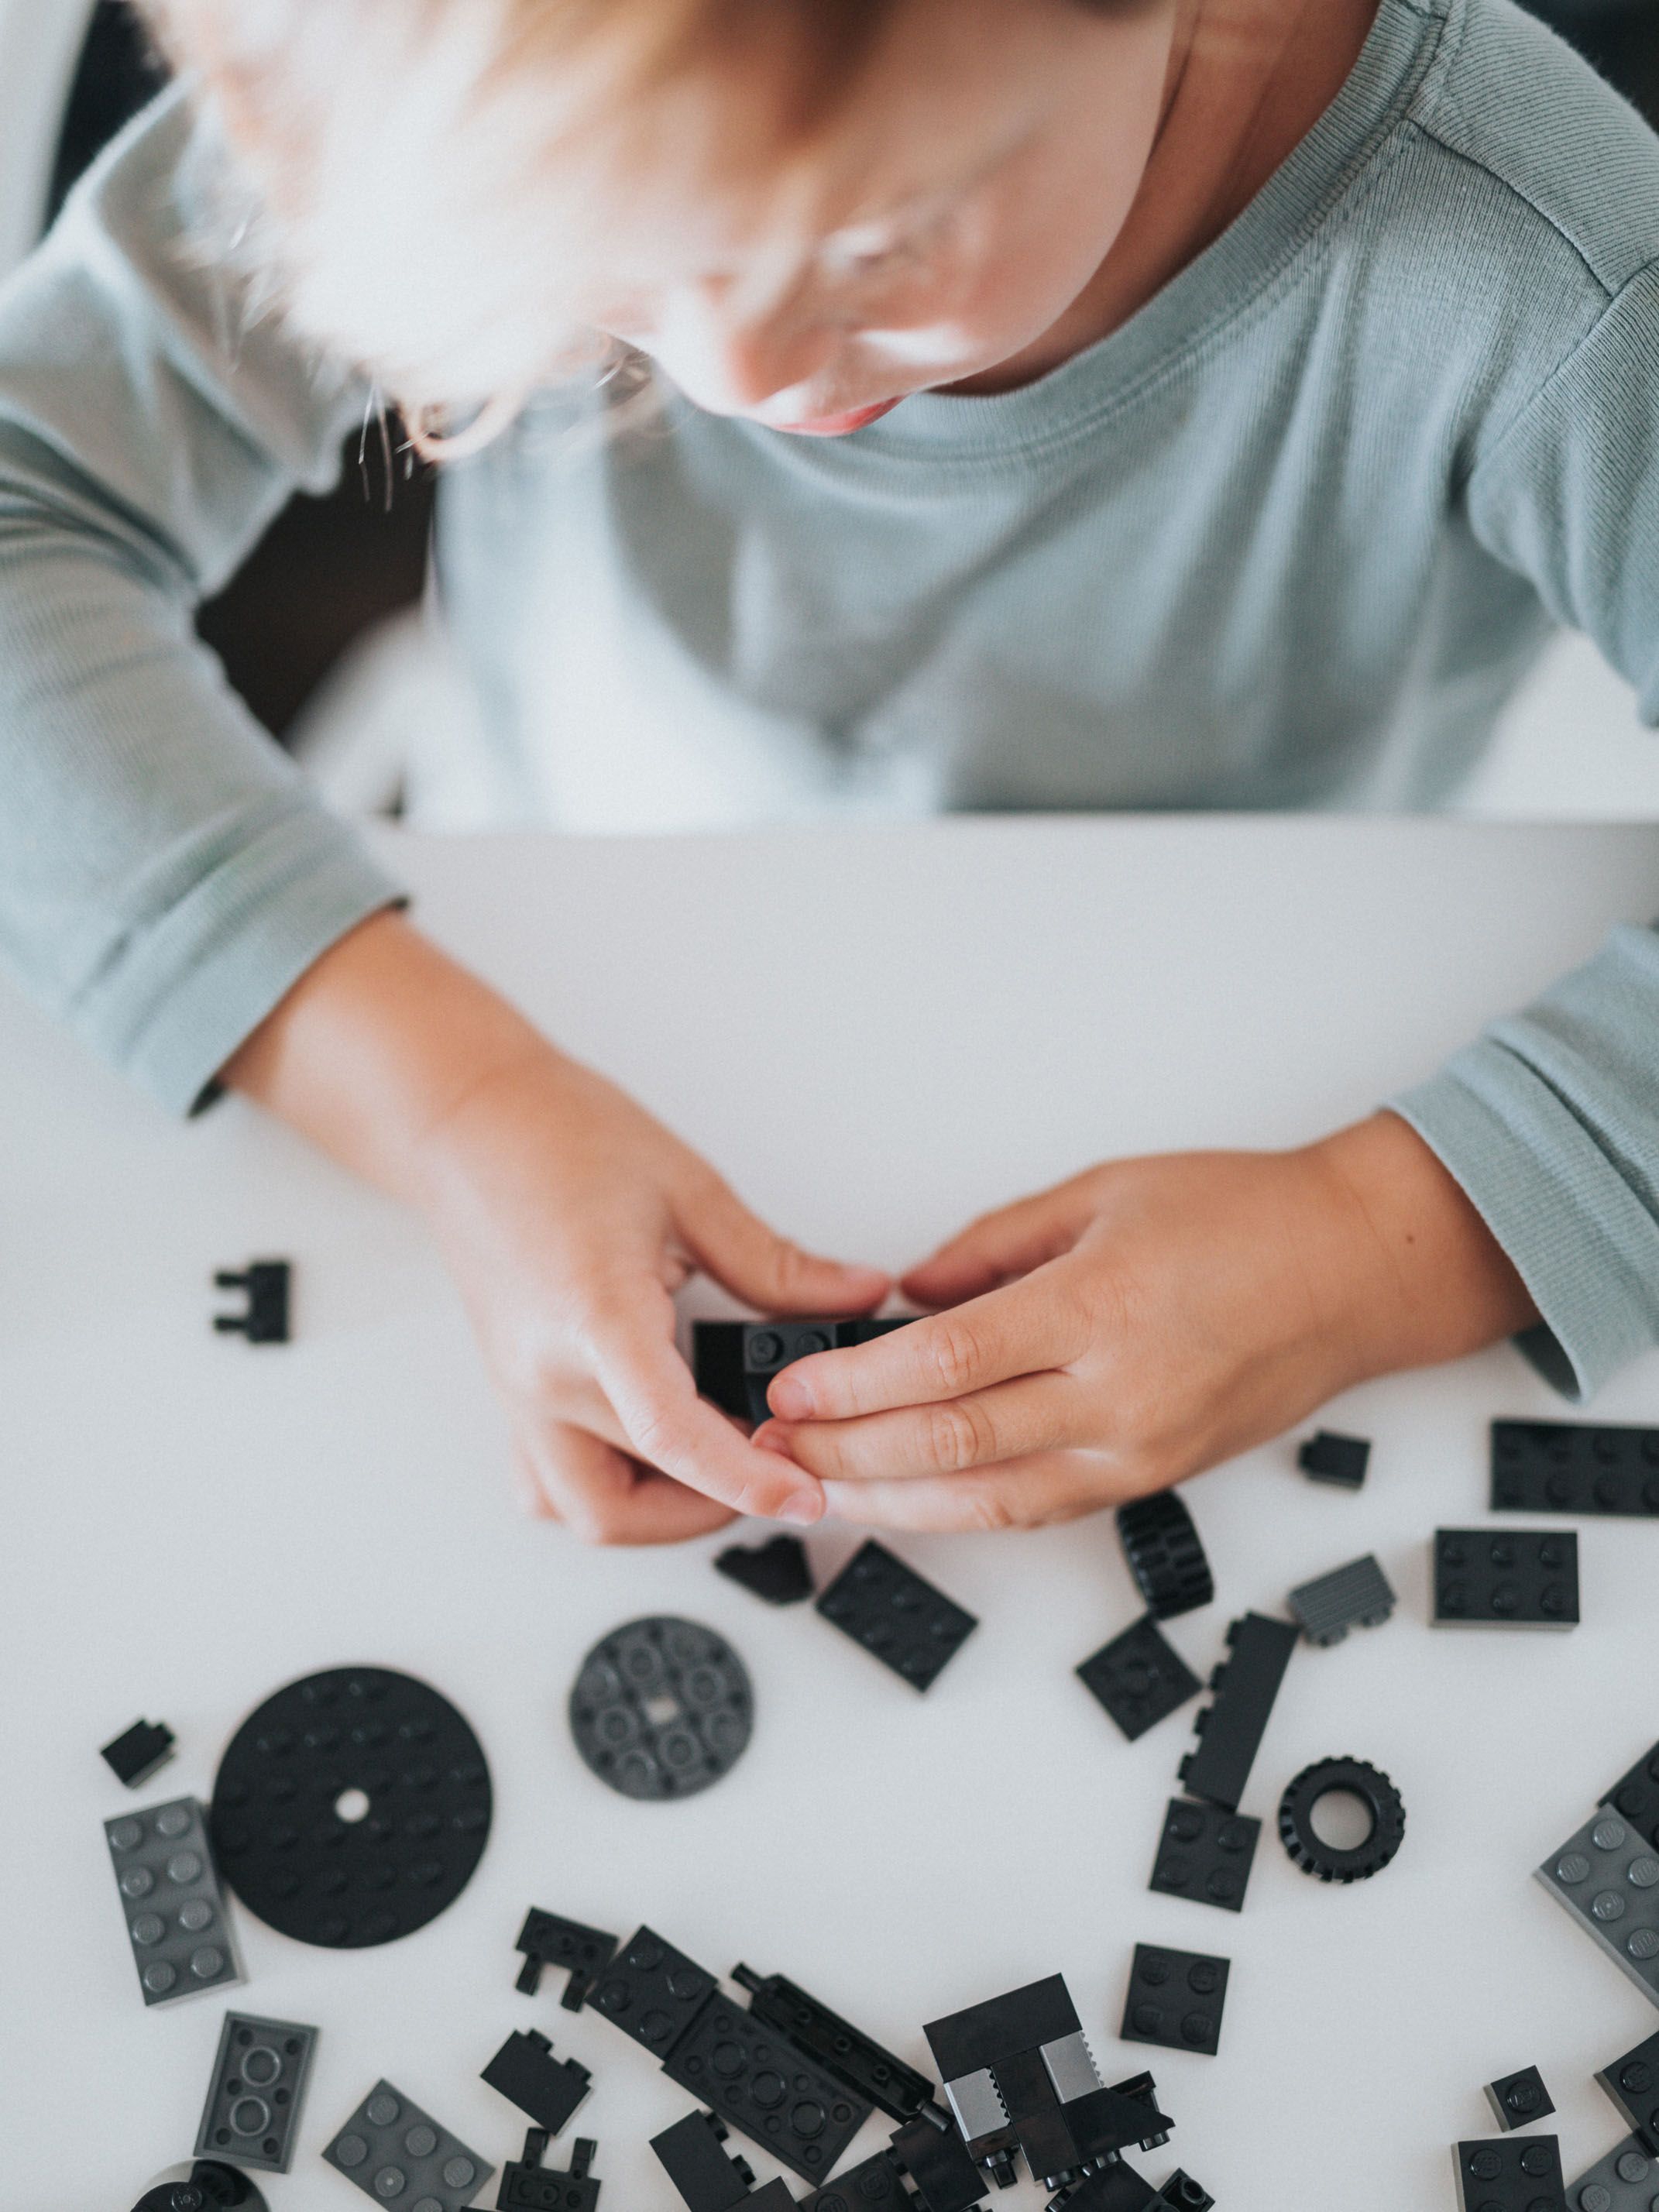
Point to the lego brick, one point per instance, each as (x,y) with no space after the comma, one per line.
(133,1756)
(1518,2099)
(1141,2089)
(652,1991)
(1165,1555)
(856,2061)
(1625,2180)
(755,2081)
(1568,1467)
(1206,1853)
(1340,1461)
(896,1615)
(733,1361)
(1181,2193)
(177,1924)
(256,2093)
(693,2155)
(871,2185)
(981,2034)
(548,1941)
(1107,2121)
(661,1708)
(1357,1596)
(204,2185)
(392,2150)
(1636,1796)
(546,2089)
(1231,1729)
(527,2186)
(1486,1578)
(1176,1999)
(1114,2188)
(1139,1677)
(776,1572)
(1633,2082)
(264,1316)
(1521,2173)
(945,2178)
(1607,1877)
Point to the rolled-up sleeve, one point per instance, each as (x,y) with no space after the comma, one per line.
(166,872)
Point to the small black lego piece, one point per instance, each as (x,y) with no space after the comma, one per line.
(1349,1777)
(257,2092)
(527,2186)
(1181,2193)
(1633,2082)
(754,2080)
(1635,1796)
(1206,1853)
(265,1317)
(208,2185)
(896,1615)
(934,2155)
(693,2153)
(733,1361)
(661,1708)
(652,1991)
(1139,1677)
(1165,1555)
(1521,2173)
(1114,2187)
(1524,1579)
(873,2185)
(1340,1461)
(1229,1730)
(1567,1466)
(777,1572)
(548,1941)
(1357,1596)
(855,2060)
(546,2089)
(133,1756)
(1520,2099)
(1176,1999)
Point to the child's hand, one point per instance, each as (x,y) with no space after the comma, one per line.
(1146,1320)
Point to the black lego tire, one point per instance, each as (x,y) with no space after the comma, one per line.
(1165,1556)
(1324,1861)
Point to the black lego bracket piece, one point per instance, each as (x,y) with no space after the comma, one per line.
(527,2186)
(1340,1461)
(545,2089)
(733,1362)
(857,2062)
(1633,2082)
(777,1572)
(1569,1466)
(138,1751)
(1501,1578)
(1229,1730)
(265,1320)
(548,1941)
(897,1615)
(1165,1555)
(1139,1677)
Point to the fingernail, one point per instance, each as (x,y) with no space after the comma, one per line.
(791,1397)
(804,1509)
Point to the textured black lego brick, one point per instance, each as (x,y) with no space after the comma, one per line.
(1507,1578)
(897,1615)
(945,2178)
(758,2083)
(1206,1853)
(1516,2173)
(855,2060)
(1231,1729)
(1633,2082)
(1518,2099)
(981,2034)
(1357,1595)
(257,2092)
(1176,1998)
(546,2089)
(693,2155)
(1139,1677)
(652,1991)
(1571,1466)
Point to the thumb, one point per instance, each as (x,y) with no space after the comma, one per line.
(999,1247)
(764,1269)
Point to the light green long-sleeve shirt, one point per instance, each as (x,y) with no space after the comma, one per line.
(1286,539)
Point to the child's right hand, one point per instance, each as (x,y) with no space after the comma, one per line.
(568,1216)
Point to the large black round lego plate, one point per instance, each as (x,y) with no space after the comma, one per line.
(351,1808)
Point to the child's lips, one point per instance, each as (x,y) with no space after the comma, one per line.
(837,426)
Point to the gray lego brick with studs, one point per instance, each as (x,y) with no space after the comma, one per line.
(1625,2180)
(254,2100)
(1607,1877)
(397,2153)
(177,1922)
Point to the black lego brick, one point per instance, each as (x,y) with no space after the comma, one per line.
(1206,1853)
(1107,2121)
(138,1751)
(1176,1999)
(873,2185)
(528,2185)
(945,2178)
(1624,2179)
(1229,1730)
(652,1991)
(1114,2188)
(1139,1677)
(1518,2099)
(733,1362)
(1357,1596)
(545,2089)
(776,1572)
(1507,1578)
(1569,1466)
(853,2058)
(983,2034)
(548,1941)
(1518,2173)
(693,2155)
(1633,2082)
(898,1617)
(1341,1460)
(1635,1796)
(1181,2193)
(755,2080)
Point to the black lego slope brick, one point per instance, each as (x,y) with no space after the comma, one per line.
(777,1572)
(897,1615)
(1518,2173)
(1231,1729)
(1206,1853)
(1176,1999)
(1505,1578)
(755,2080)
(1139,1677)
(1569,1466)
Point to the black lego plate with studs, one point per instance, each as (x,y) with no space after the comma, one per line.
(661,1708)
(294,1836)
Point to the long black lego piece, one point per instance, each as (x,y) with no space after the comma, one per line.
(1229,1731)
(856,2061)
(1570,1466)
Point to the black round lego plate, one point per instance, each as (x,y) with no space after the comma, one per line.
(661,1708)
(351,1808)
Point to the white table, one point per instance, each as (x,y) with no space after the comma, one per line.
(874,1033)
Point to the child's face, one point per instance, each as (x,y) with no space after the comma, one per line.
(998,151)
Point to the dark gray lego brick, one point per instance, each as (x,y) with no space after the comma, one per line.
(1505,1578)
(176,1919)
(1139,1677)
(1571,1466)
(397,2153)
(1606,1875)
(256,2093)
(897,1615)
(1357,1596)
(1625,2180)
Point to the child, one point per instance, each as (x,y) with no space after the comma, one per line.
(1059,403)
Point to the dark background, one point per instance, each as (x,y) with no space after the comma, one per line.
(329,568)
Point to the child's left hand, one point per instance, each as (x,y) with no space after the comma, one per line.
(1144,1321)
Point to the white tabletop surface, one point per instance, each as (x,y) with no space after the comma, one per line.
(875,1034)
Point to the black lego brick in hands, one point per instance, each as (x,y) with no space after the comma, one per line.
(777,1572)
(134,1755)
(1517,2174)
(1206,1853)
(264,1318)
(855,2059)
(1229,1730)
(1636,1796)
(982,2035)
(945,2178)
(548,1941)
(652,1991)
(546,2089)
(1519,1578)
(256,2093)
(1518,2099)
(1139,1677)
(528,2185)
(758,2083)
(733,1362)
(1165,1555)
(1176,1999)
(1568,1467)
(898,1617)
(873,2185)
(693,2155)
(1633,2082)
(1341,1460)
(1357,1596)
